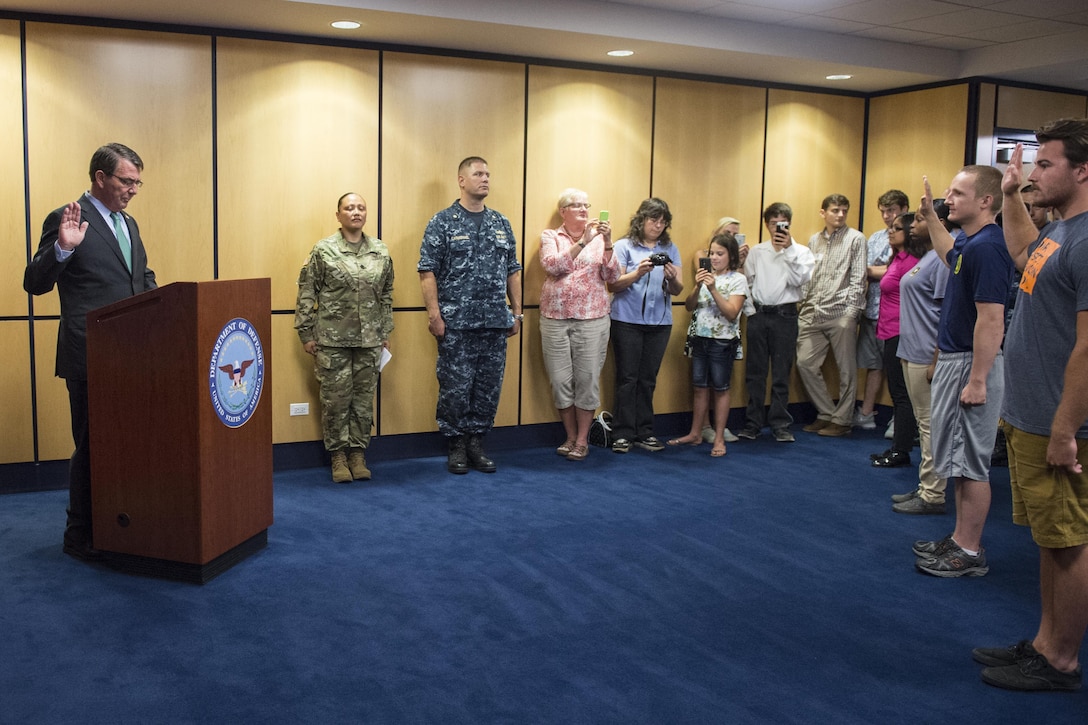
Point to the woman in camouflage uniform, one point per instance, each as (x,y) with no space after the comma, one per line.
(344,316)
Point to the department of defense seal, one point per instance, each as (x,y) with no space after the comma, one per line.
(236,372)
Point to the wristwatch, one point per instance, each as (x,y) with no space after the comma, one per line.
(519,318)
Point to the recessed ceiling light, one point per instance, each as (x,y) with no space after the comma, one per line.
(620,53)
(345,25)
(839,77)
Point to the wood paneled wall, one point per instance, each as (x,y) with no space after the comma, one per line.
(436,112)
(1029,108)
(15,390)
(244,164)
(907,140)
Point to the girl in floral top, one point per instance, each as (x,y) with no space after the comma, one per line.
(716,303)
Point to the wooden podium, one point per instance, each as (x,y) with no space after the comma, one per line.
(181,427)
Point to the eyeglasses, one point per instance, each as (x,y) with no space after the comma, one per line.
(578,206)
(128,183)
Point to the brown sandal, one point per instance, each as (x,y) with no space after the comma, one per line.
(578,453)
(565,449)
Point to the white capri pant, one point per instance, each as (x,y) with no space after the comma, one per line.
(574,352)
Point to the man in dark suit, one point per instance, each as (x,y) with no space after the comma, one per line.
(92,252)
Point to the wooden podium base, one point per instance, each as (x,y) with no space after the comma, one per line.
(180,571)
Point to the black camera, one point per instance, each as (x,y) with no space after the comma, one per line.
(659,259)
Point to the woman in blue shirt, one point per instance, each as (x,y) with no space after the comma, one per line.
(642,321)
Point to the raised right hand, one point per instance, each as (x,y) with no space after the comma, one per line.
(1010,182)
(71,232)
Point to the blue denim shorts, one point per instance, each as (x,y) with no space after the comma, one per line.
(712,362)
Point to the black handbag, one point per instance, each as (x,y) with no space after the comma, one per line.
(600,430)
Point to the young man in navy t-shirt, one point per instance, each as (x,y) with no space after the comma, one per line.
(968,382)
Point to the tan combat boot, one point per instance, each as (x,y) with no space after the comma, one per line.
(340,472)
(357,464)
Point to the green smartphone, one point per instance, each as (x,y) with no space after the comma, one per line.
(603,216)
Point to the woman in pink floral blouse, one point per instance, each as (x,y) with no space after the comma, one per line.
(574,315)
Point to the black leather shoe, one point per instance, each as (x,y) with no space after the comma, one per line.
(476,455)
(458,459)
(82,551)
(885,454)
(893,459)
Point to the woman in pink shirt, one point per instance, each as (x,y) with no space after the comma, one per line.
(574,315)
(905,255)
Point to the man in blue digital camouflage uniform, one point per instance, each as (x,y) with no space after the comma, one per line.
(468,267)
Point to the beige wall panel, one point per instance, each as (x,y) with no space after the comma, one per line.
(907,140)
(17,442)
(589,130)
(409,389)
(294,382)
(13,223)
(150,91)
(509,412)
(1029,109)
(54,418)
(674,392)
(814,145)
(297,128)
(537,404)
(986,148)
(708,160)
(435,112)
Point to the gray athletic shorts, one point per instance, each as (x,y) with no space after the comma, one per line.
(963,436)
(870,353)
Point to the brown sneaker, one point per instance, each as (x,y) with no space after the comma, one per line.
(817,425)
(834,430)
(357,465)
(340,471)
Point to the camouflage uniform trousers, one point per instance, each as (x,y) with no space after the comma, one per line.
(348,377)
(470,369)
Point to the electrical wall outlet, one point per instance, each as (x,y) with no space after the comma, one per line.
(300,408)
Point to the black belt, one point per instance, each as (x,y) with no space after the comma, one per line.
(791,306)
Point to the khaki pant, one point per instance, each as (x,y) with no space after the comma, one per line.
(814,339)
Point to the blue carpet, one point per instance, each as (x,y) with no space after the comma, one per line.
(772,586)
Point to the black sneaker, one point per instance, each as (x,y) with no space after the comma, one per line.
(918,506)
(1001,656)
(901,497)
(954,562)
(1032,673)
(650,443)
(621,445)
(926,549)
(784,435)
(748,433)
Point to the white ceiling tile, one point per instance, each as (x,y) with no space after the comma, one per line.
(751,13)
(950,42)
(897,35)
(890,12)
(961,21)
(1037,9)
(1020,31)
(805,7)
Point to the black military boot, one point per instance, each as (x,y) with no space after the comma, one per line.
(476,455)
(457,461)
